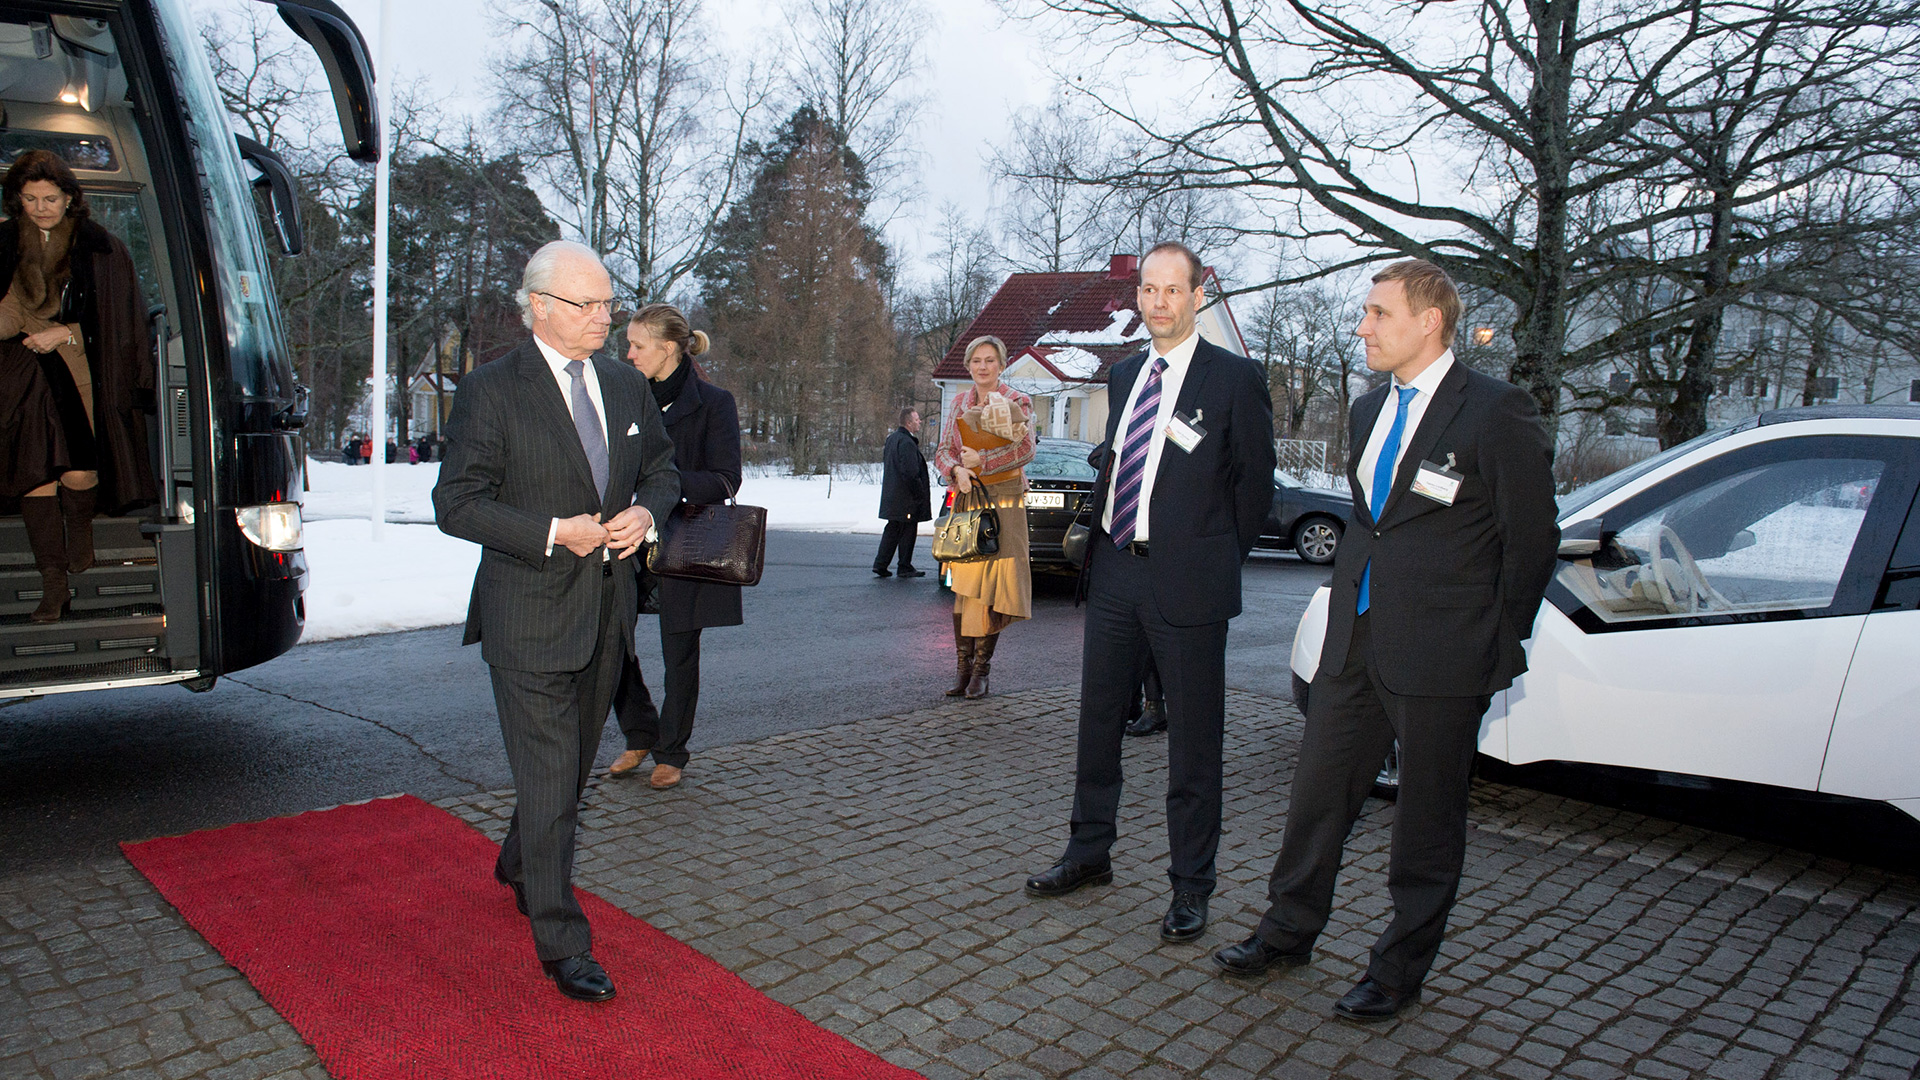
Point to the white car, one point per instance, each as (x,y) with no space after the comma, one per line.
(1744,607)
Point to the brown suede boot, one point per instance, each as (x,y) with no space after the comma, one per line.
(963,647)
(77,508)
(48,536)
(982,665)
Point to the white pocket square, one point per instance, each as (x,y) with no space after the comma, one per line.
(633,429)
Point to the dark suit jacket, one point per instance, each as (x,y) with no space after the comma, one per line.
(513,463)
(1455,588)
(906,492)
(705,427)
(1208,506)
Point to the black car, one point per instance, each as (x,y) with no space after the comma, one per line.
(1305,520)
(1058,480)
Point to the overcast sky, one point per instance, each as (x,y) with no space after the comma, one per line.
(980,69)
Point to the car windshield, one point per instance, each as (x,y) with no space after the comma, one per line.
(1061,461)
(1580,498)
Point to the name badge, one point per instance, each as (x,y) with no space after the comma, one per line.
(1184,433)
(1437,482)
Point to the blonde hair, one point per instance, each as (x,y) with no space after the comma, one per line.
(999,348)
(1427,286)
(665,322)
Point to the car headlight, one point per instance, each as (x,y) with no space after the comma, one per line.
(274,526)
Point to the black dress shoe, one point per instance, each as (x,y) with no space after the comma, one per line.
(1371,1002)
(881,571)
(1254,956)
(519,890)
(911,572)
(580,978)
(1151,721)
(1186,917)
(1063,877)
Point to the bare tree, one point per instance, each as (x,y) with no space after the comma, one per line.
(855,62)
(1052,220)
(608,103)
(1506,141)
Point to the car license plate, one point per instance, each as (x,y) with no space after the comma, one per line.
(1046,500)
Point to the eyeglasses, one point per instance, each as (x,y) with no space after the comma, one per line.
(586,307)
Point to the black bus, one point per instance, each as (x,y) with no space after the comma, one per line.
(209,580)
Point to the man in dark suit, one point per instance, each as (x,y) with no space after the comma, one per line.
(1434,589)
(906,495)
(1184,497)
(556,464)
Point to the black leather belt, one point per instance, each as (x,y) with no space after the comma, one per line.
(1135,547)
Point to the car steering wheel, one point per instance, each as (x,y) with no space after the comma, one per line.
(1697,585)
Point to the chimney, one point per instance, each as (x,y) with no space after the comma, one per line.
(1123,267)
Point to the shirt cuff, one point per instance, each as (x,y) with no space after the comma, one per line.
(553,531)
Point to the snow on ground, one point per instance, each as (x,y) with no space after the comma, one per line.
(417,576)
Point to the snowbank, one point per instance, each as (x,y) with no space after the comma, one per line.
(418,576)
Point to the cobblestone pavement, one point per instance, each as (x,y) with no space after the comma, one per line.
(869,875)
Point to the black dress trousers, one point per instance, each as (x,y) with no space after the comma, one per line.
(1124,626)
(900,535)
(1352,720)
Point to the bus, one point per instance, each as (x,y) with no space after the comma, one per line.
(209,578)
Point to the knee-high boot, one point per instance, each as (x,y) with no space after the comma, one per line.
(47,534)
(963,647)
(77,508)
(982,665)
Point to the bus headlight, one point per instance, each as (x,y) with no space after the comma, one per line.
(274,526)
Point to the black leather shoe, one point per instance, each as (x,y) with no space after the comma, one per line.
(1186,917)
(580,978)
(911,572)
(1151,721)
(1371,1002)
(1254,956)
(881,571)
(1063,877)
(519,890)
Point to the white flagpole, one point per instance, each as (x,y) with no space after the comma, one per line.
(377,408)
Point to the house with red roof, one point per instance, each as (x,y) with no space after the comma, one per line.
(1063,331)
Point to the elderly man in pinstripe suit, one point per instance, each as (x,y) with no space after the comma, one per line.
(557,465)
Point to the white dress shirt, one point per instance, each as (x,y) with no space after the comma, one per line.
(1179,359)
(558,365)
(1424,385)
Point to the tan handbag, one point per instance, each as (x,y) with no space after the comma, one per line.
(970,529)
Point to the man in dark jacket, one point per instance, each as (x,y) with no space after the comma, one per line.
(906,496)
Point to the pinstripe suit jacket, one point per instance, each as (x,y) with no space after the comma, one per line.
(514,463)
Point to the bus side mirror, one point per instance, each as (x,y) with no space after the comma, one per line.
(343,53)
(282,195)
(1582,539)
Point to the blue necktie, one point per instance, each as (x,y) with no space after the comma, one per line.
(1133,457)
(1383,479)
(586,421)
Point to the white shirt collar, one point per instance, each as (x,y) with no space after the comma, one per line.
(1428,381)
(1180,355)
(558,362)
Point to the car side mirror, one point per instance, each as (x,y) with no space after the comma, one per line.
(282,191)
(1583,539)
(1742,539)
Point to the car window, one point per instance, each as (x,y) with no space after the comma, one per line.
(1282,477)
(1061,463)
(1581,497)
(1773,537)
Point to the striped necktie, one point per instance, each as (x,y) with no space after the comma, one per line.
(1383,482)
(1133,457)
(586,421)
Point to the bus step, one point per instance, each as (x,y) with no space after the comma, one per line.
(101,589)
(83,638)
(115,540)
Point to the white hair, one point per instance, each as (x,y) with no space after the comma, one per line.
(541,269)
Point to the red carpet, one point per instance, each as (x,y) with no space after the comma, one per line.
(379,933)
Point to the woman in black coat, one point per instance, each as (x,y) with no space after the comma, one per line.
(705,428)
(76,374)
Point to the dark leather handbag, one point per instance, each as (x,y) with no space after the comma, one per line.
(721,544)
(1074,544)
(970,529)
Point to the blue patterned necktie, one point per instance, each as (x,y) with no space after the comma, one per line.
(1133,457)
(1383,480)
(586,421)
